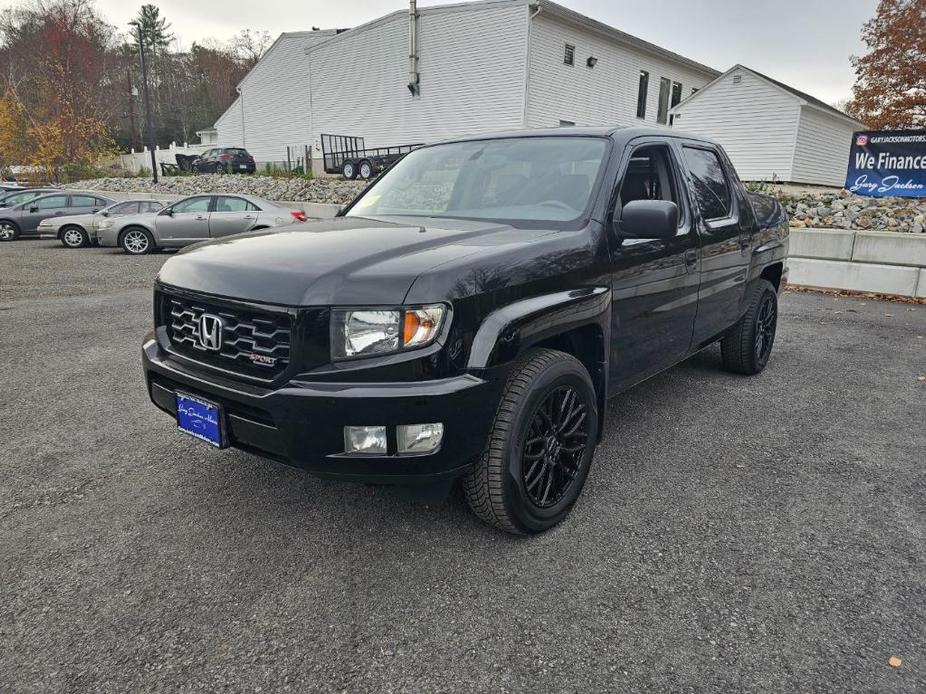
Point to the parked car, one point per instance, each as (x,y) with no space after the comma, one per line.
(14,197)
(10,187)
(471,312)
(193,219)
(23,219)
(79,231)
(224,160)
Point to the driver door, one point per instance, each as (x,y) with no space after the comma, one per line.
(184,222)
(654,281)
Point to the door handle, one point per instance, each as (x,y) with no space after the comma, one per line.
(200,217)
(249,216)
(691,260)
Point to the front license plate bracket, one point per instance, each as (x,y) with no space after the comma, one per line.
(201,419)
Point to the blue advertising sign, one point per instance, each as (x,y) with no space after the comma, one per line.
(888,163)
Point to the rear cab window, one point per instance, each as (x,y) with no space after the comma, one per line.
(710,185)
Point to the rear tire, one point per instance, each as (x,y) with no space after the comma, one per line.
(366,170)
(9,231)
(540,448)
(137,241)
(74,237)
(747,347)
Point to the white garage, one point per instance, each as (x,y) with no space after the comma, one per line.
(770,130)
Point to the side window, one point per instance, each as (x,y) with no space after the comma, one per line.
(711,188)
(227,203)
(121,208)
(650,175)
(84,201)
(52,202)
(150,207)
(192,205)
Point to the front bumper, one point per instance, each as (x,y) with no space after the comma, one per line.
(302,423)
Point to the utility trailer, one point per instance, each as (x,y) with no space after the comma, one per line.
(348,156)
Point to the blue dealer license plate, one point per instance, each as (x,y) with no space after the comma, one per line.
(200,419)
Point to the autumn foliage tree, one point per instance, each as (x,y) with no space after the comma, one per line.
(70,83)
(890,87)
(54,99)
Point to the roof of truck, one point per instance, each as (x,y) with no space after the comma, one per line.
(617,133)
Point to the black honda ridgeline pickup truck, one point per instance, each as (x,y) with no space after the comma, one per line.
(470,313)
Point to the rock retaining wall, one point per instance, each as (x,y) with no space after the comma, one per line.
(843,210)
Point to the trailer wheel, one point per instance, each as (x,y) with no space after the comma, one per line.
(366,170)
(349,170)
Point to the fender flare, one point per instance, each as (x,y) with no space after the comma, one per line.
(508,331)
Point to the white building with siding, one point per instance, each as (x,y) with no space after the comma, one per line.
(482,66)
(771,131)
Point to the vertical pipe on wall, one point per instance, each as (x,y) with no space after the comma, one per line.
(413,76)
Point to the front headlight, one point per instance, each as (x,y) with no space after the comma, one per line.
(364,332)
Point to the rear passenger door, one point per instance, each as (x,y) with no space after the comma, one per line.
(654,281)
(231,215)
(723,223)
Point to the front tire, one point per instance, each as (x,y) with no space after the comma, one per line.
(349,170)
(747,347)
(9,231)
(137,241)
(540,448)
(74,237)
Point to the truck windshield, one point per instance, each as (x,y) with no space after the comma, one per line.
(513,179)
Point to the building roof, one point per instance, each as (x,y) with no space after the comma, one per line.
(806,98)
(547,7)
(610,32)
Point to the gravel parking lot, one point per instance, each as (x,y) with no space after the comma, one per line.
(764,534)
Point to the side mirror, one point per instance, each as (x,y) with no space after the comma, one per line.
(33,208)
(168,211)
(105,213)
(648,219)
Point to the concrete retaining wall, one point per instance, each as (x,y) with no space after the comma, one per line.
(882,262)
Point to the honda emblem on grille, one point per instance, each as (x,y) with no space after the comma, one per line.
(210,332)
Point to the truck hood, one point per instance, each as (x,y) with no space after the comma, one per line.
(343,261)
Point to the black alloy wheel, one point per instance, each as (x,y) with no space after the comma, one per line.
(747,346)
(766,321)
(540,448)
(553,454)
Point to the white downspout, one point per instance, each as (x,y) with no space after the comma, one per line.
(527,65)
(413,77)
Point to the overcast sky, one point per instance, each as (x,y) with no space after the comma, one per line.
(805,43)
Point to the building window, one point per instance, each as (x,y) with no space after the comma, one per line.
(737,78)
(566,123)
(676,93)
(569,57)
(641,94)
(665,86)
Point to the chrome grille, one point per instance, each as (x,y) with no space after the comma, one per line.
(254,343)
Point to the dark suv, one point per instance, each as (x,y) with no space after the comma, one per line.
(224,160)
(469,315)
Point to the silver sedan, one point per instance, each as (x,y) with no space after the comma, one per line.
(192,219)
(79,230)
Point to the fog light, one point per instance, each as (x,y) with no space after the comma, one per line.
(365,440)
(419,438)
